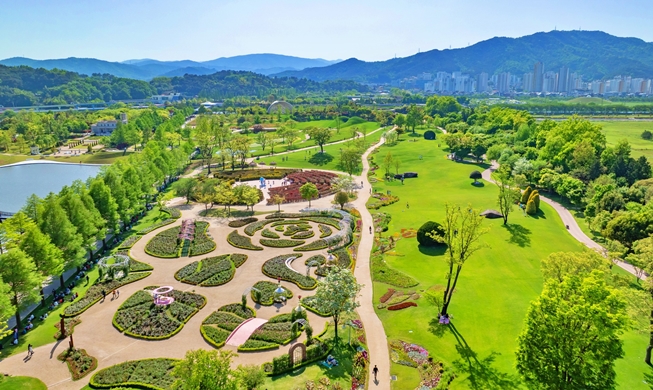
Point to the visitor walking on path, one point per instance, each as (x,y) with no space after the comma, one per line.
(30,350)
(104,295)
(375,371)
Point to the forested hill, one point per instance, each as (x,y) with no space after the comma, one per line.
(25,86)
(594,54)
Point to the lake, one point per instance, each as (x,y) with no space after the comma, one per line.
(18,182)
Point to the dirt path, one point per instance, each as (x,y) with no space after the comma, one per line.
(569,221)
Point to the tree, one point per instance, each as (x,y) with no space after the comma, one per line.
(291,136)
(321,136)
(430,234)
(647,135)
(530,208)
(571,335)
(205,370)
(278,200)
(308,191)
(6,307)
(185,187)
(247,194)
(80,217)
(462,232)
(343,183)
(104,202)
(224,195)
(55,223)
(271,140)
(336,294)
(18,271)
(475,175)
(559,265)
(251,376)
(526,195)
(387,163)
(507,196)
(414,117)
(262,139)
(350,160)
(396,162)
(400,120)
(341,198)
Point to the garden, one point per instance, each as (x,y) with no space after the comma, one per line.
(218,325)
(147,373)
(279,268)
(142,316)
(211,271)
(189,239)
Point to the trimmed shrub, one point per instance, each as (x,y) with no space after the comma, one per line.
(257,345)
(281,243)
(164,244)
(202,243)
(129,242)
(535,197)
(387,295)
(530,208)
(214,335)
(238,259)
(242,242)
(429,135)
(313,246)
(303,235)
(269,234)
(276,268)
(325,231)
(147,373)
(242,222)
(526,195)
(212,271)
(428,228)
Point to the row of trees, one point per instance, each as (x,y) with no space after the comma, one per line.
(52,235)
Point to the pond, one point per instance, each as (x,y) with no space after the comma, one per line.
(19,181)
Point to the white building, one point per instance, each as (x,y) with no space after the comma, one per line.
(105,128)
(162,99)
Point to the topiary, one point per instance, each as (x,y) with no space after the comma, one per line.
(530,208)
(429,135)
(526,195)
(535,197)
(425,239)
(476,175)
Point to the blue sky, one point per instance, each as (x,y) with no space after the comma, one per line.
(117,30)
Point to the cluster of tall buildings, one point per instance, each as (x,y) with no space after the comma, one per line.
(560,81)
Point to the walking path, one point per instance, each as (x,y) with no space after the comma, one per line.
(569,221)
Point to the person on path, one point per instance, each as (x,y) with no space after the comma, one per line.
(370,230)
(30,350)
(104,295)
(113,295)
(117,293)
(375,370)
(87,280)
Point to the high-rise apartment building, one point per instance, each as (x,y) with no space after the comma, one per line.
(482,82)
(538,76)
(527,82)
(563,80)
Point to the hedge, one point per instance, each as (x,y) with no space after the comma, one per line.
(242,242)
(254,174)
(265,294)
(267,233)
(211,271)
(308,304)
(94,293)
(238,259)
(276,268)
(257,346)
(313,246)
(303,235)
(280,243)
(327,214)
(325,231)
(242,222)
(314,352)
(164,244)
(155,374)
(256,226)
(237,309)
(214,335)
(129,242)
(202,243)
(402,305)
(323,220)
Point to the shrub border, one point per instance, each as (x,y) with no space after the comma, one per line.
(142,385)
(70,369)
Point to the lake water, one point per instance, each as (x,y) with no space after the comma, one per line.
(18,182)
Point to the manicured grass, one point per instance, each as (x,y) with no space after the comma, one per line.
(631,130)
(95,158)
(329,160)
(22,383)
(496,285)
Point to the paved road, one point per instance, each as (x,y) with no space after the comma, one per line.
(569,221)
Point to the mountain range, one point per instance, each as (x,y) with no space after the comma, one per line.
(593,54)
(147,69)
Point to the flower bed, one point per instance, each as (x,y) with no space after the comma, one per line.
(387,295)
(325,214)
(269,233)
(94,293)
(242,222)
(257,345)
(276,268)
(165,244)
(129,242)
(69,325)
(313,246)
(202,243)
(212,271)
(290,192)
(238,259)
(309,304)
(280,243)
(79,362)
(323,220)
(217,327)
(263,293)
(279,228)
(319,259)
(242,242)
(147,373)
(254,174)
(402,305)
(256,226)
(292,229)
(174,213)
(237,309)
(135,265)
(379,200)
(278,330)
(412,355)
(325,231)
(381,272)
(139,317)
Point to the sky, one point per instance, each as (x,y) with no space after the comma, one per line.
(117,30)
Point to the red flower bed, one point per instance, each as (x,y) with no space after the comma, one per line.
(290,192)
(387,295)
(402,305)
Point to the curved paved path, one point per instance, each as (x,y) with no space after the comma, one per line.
(568,220)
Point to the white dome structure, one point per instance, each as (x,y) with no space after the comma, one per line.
(280,106)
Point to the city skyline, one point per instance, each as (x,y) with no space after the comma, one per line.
(118,30)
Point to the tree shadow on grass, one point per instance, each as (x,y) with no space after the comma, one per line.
(518,235)
(478,184)
(432,250)
(481,374)
(320,159)
(538,215)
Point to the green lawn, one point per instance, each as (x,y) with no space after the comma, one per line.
(328,160)
(21,383)
(617,130)
(495,287)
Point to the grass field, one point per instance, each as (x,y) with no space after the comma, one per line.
(21,383)
(630,130)
(329,160)
(495,287)
(95,158)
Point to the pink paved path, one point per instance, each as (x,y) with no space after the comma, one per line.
(244,330)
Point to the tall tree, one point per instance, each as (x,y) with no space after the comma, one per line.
(80,217)
(55,223)
(105,204)
(205,370)
(185,187)
(571,336)
(337,294)
(350,159)
(321,136)
(18,271)
(462,232)
(507,196)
